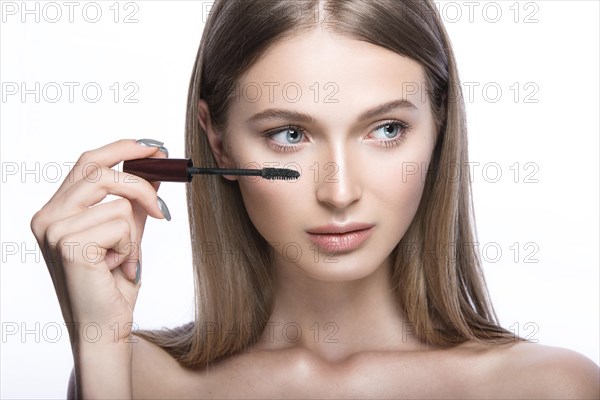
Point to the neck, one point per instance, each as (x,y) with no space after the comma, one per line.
(335,320)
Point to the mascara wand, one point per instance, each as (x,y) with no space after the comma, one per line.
(182,170)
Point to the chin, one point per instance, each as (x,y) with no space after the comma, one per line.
(343,267)
(338,276)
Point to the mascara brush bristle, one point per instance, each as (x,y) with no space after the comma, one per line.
(279,173)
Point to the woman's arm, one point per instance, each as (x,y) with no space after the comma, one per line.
(153,374)
(102,371)
(106,381)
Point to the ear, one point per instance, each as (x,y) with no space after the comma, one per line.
(215,139)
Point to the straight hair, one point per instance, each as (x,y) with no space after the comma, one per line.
(436,274)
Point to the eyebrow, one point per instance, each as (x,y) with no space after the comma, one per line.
(276,113)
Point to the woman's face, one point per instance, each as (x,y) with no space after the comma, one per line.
(316,103)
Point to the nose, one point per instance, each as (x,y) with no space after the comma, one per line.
(337,178)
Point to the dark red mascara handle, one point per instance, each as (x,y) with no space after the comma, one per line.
(160,169)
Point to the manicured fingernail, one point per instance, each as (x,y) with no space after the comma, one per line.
(138,272)
(163,207)
(164,150)
(149,142)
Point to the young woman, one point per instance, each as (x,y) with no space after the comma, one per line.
(357,280)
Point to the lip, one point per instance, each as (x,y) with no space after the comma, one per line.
(331,228)
(336,238)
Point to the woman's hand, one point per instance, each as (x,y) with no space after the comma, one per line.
(92,250)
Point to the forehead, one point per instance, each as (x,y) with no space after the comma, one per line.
(325,61)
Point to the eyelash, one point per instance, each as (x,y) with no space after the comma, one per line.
(404,128)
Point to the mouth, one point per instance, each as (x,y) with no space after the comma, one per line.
(339,229)
(332,238)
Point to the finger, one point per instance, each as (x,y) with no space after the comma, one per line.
(83,253)
(83,264)
(90,217)
(106,156)
(89,281)
(93,216)
(86,193)
(47,213)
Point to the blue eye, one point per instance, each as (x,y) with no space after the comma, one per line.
(288,137)
(390,130)
(393,131)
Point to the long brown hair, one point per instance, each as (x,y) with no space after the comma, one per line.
(436,272)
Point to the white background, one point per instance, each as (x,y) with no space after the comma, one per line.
(555,221)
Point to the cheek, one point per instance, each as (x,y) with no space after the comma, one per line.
(405,195)
(271,205)
(399,191)
(405,184)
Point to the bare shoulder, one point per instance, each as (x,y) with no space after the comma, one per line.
(155,373)
(535,370)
